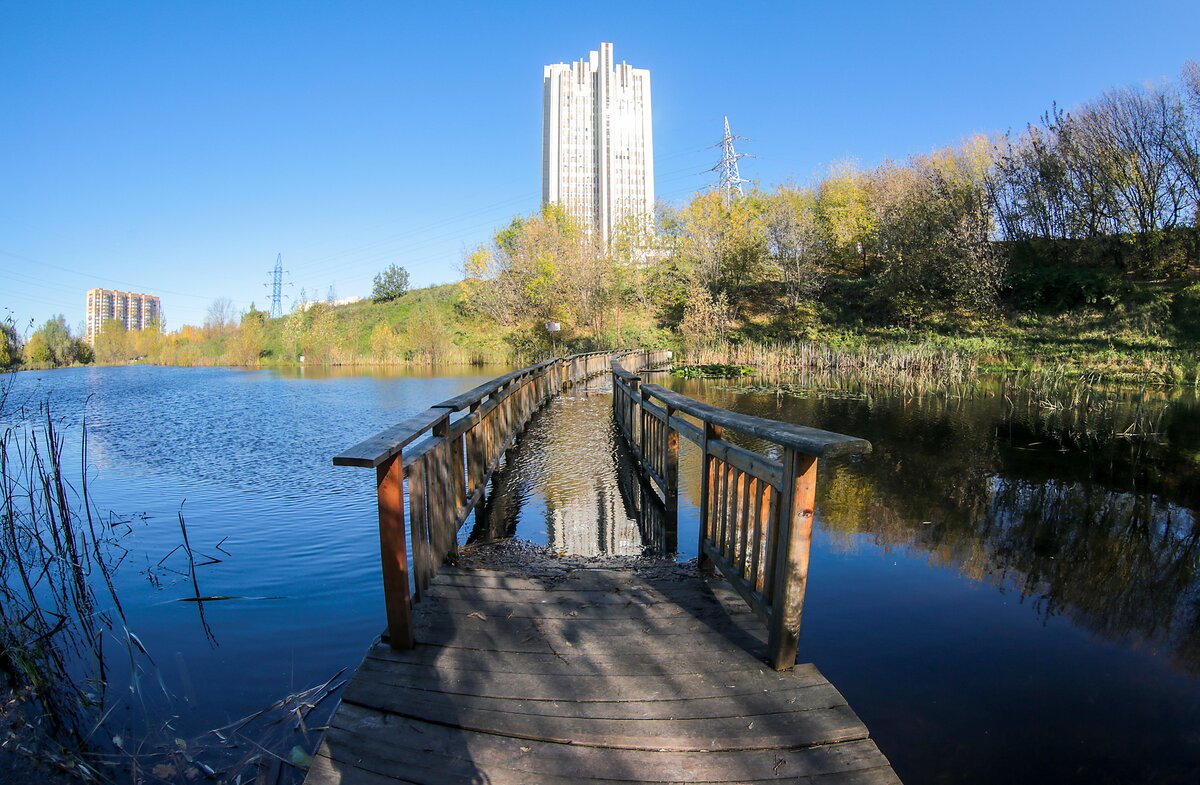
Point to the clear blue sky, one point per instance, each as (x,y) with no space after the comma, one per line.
(176,147)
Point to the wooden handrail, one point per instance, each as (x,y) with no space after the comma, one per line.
(448,471)
(756,510)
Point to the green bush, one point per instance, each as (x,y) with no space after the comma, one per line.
(1053,289)
(1185,311)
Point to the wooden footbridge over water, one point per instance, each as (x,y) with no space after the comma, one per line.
(598,675)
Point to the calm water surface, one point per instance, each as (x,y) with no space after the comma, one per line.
(1005,591)
(246,456)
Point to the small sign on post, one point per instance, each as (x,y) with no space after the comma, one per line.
(553,328)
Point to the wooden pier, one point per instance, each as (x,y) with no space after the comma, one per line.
(597,675)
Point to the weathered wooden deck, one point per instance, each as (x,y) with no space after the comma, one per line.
(603,676)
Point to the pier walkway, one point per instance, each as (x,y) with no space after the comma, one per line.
(596,675)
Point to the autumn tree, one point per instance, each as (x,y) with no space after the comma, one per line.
(10,344)
(429,336)
(112,344)
(539,268)
(383,342)
(706,318)
(935,224)
(847,221)
(247,345)
(794,241)
(220,317)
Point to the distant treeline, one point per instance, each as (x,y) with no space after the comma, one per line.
(1080,229)
(1072,212)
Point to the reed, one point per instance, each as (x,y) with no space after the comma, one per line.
(888,364)
(62,681)
(54,565)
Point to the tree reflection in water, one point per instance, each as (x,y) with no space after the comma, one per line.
(1081,500)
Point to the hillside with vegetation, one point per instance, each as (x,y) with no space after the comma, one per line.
(1071,247)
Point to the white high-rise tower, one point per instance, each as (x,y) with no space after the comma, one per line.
(597,146)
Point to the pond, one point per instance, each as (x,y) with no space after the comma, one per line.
(1005,589)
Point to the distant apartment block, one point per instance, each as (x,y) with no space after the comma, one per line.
(597,145)
(135,311)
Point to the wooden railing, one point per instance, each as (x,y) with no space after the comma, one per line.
(448,471)
(756,510)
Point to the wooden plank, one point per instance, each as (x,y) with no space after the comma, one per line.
(760,524)
(580,630)
(672,465)
(371,452)
(686,429)
(418,517)
(438,770)
(418,661)
(810,441)
(579,683)
(326,771)
(748,486)
(755,601)
(411,701)
(476,394)
(456,752)
(546,636)
(811,727)
(468,605)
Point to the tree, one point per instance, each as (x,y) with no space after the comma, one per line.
(112,344)
(322,333)
(37,350)
(10,344)
(248,342)
(52,343)
(383,342)
(146,342)
(390,284)
(705,319)
(429,336)
(220,317)
(935,224)
(844,212)
(794,241)
(58,340)
(295,331)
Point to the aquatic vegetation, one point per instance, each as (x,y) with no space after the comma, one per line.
(82,697)
(711,371)
(891,364)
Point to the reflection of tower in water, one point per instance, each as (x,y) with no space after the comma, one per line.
(568,480)
(594,523)
(584,513)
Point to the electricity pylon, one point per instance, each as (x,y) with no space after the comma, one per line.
(276,286)
(729,180)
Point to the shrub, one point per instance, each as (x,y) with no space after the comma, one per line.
(1185,311)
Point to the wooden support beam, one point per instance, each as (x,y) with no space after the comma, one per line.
(389,481)
(793,543)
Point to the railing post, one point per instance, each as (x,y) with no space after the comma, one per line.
(793,540)
(671,492)
(707,483)
(635,414)
(393,551)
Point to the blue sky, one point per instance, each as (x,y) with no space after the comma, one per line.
(176,147)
